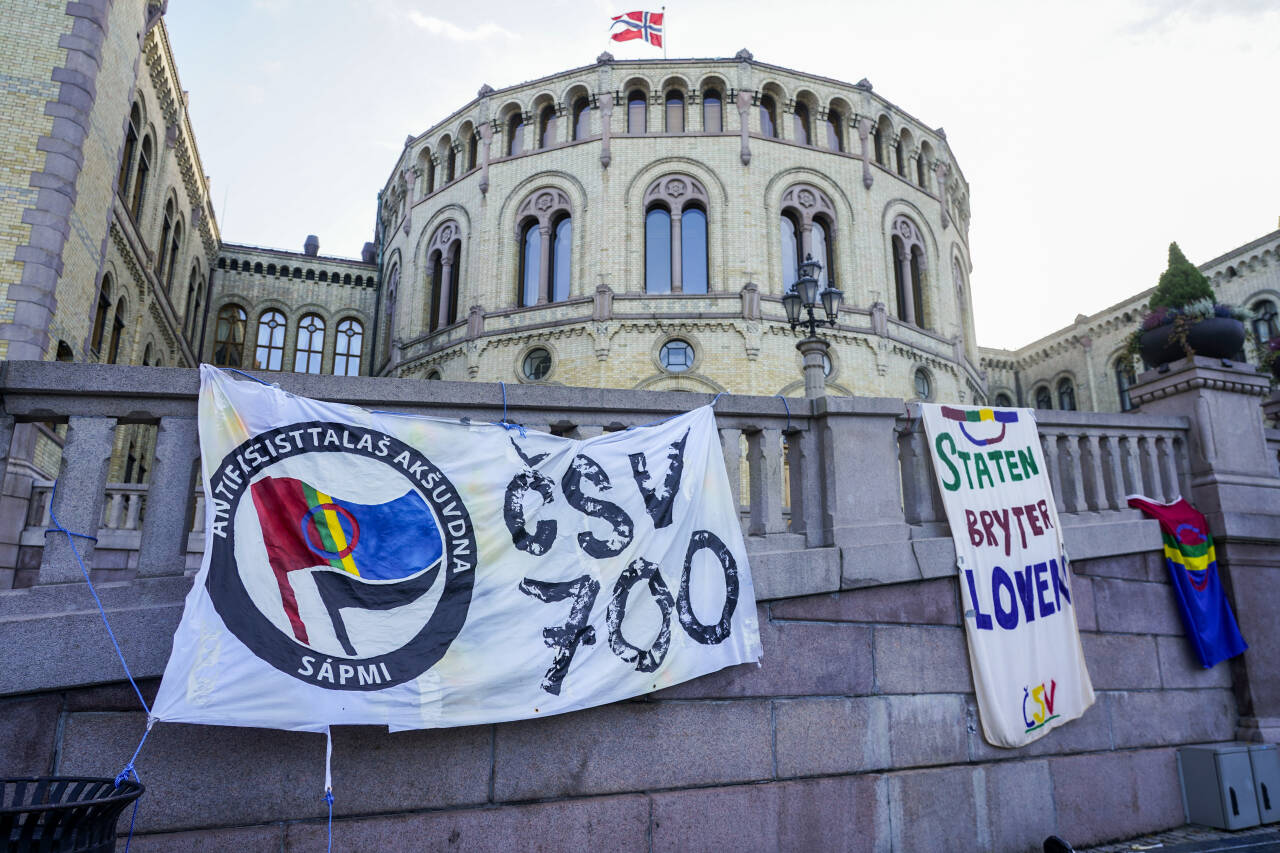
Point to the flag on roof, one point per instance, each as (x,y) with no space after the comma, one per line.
(638,25)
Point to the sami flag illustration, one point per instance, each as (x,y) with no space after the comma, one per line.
(1193,568)
(305,528)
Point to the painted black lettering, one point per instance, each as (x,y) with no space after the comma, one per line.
(564,639)
(659,497)
(622,528)
(646,660)
(708,635)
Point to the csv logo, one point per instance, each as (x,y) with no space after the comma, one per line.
(1040,699)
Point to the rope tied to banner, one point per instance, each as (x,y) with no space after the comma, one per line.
(248,375)
(328,781)
(787,407)
(71,535)
(506,423)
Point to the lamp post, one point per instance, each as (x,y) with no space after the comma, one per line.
(804,296)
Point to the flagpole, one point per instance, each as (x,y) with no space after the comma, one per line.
(664,32)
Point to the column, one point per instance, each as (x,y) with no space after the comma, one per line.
(445,286)
(864,139)
(544,263)
(606,114)
(744,126)
(78,504)
(815,380)
(163,549)
(677,273)
(908,284)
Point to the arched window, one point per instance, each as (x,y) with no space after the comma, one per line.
(802,124)
(1066,395)
(515,133)
(1264,323)
(808,228)
(455,271)
(189,306)
(140,179)
(269,353)
(883,138)
(582,118)
(146,355)
(175,246)
(908,271)
(547,126)
(923,384)
(117,330)
(920,170)
(444,255)
(451,164)
(561,257)
(431,174)
(637,112)
(350,341)
(657,250)
(130,146)
(835,128)
(229,336)
(100,315)
(712,112)
(1044,399)
(768,116)
(1004,401)
(676,236)
(472,147)
(1125,377)
(310,349)
(162,248)
(546,247)
(675,111)
(900,157)
(676,356)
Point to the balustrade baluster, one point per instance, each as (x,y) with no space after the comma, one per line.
(82,481)
(1074,464)
(1168,471)
(1132,471)
(46,505)
(115,509)
(164,527)
(731,446)
(1183,466)
(1150,473)
(197,517)
(764,459)
(1116,491)
(133,509)
(1097,484)
(1049,444)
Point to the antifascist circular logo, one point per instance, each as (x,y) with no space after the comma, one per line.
(341,555)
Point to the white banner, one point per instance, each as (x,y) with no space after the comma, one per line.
(1019,614)
(370,568)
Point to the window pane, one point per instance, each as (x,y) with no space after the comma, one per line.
(675,112)
(582,119)
(657,251)
(767,125)
(310,347)
(1044,400)
(636,113)
(833,132)
(820,252)
(347,348)
(532,256)
(269,354)
(693,250)
(712,121)
(790,259)
(561,254)
(802,124)
(537,364)
(676,356)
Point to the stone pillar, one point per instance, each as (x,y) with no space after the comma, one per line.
(677,271)
(163,548)
(864,139)
(1234,483)
(445,286)
(815,380)
(908,285)
(744,126)
(81,494)
(940,175)
(544,263)
(606,132)
(486,137)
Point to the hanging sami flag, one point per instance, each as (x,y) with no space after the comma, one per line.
(638,25)
(1193,568)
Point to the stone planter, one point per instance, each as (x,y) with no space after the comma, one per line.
(1212,337)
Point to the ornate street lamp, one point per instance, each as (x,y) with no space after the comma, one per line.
(804,296)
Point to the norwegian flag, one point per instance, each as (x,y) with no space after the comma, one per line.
(638,25)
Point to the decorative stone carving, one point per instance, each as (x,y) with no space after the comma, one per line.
(743,55)
(864,84)
(604,57)
(750,301)
(606,132)
(864,140)
(602,309)
(673,190)
(443,237)
(543,205)
(907,231)
(808,201)
(485,91)
(879,318)
(744,106)
(602,337)
(475,322)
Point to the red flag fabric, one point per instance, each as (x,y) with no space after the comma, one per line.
(638,25)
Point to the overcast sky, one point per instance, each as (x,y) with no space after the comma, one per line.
(1091,133)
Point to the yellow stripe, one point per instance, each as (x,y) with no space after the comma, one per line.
(335,530)
(986,414)
(1193,564)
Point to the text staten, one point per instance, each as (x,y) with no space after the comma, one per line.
(1008,465)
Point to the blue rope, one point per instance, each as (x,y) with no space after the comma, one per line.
(505,423)
(249,375)
(128,768)
(786,406)
(328,798)
(716,399)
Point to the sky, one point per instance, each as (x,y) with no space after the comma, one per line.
(1091,134)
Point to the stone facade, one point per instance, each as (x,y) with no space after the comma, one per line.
(742,143)
(1089,355)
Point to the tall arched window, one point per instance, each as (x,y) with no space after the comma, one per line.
(908,271)
(444,260)
(768,116)
(900,157)
(146,356)
(140,178)
(637,112)
(883,138)
(582,118)
(162,248)
(802,124)
(515,133)
(657,250)
(712,112)
(472,147)
(1004,401)
(835,128)
(546,247)
(676,236)
(1066,395)
(1125,377)
(100,315)
(675,111)
(117,331)
(269,353)
(451,164)
(228,338)
(547,126)
(808,229)
(1044,399)
(920,170)
(175,246)
(1264,323)
(431,174)
(310,349)
(130,147)
(188,306)
(346,351)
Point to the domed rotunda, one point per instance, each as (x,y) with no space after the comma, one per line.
(635,224)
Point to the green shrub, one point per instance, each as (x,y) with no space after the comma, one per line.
(1180,284)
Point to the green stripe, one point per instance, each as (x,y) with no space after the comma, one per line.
(1181,547)
(326,538)
(973,416)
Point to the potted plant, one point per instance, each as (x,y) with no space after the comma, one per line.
(1185,320)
